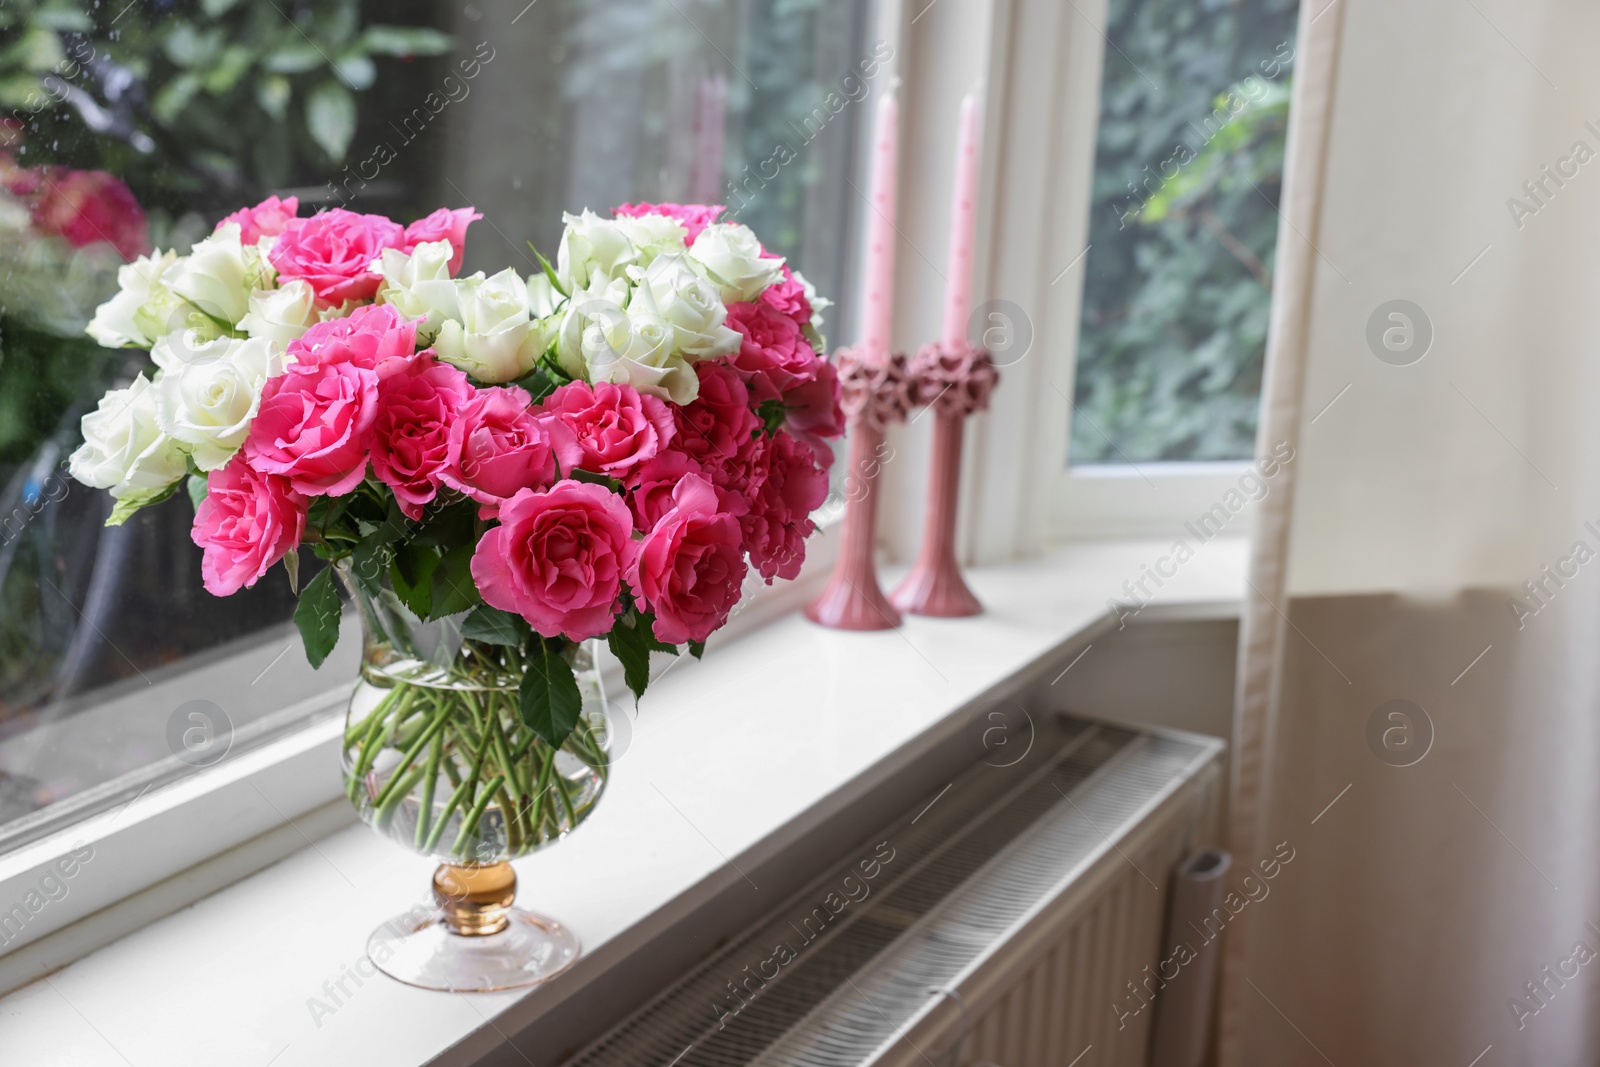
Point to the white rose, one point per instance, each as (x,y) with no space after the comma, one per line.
(123,449)
(603,301)
(592,249)
(654,235)
(419,286)
(686,300)
(638,349)
(140,298)
(207,394)
(495,338)
(281,315)
(218,275)
(731,257)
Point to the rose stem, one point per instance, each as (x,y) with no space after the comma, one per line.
(361,729)
(373,745)
(430,779)
(564,790)
(469,826)
(515,802)
(387,809)
(456,798)
(441,715)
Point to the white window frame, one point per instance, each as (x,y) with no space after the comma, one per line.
(1040,124)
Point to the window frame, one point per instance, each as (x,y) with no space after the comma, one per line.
(1020,493)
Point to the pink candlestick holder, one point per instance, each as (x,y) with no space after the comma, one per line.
(874,391)
(954,380)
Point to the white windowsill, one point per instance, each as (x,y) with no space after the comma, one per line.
(730,757)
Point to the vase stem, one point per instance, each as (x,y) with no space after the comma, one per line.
(475,899)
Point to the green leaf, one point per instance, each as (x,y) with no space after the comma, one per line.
(230,67)
(549,271)
(628,644)
(356,71)
(404,41)
(213,8)
(189,47)
(317,616)
(331,118)
(697,649)
(129,503)
(593,478)
(452,525)
(272,93)
(647,623)
(494,627)
(453,589)
(16,90)
(772,413)
(197,489)
(410,573)
(368,560)
(538,385)
(294,56)
(174,97)
(550,699)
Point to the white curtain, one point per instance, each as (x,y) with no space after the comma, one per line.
(1445,153)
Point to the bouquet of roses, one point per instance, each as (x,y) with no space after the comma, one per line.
(602,447)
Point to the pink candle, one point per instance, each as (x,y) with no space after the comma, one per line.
(963,221)
(879,310)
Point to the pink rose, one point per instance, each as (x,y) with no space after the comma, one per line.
(443,225)
(788,297)
(785,487)
(411,431)
(616,427)
(266,219)
(333,250)
(774,357)
(719,423)
(312,427)
(86,206)
(690,567)
(557,559)
(375,337)
(814,413)
(499,446)
(695,217)
(651,484)
(247,522)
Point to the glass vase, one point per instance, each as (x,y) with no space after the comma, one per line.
(438,759)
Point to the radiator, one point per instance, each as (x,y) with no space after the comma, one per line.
(1007,919)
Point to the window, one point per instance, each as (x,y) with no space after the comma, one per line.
(134,126)
(1182,222)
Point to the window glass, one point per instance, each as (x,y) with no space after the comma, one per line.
(1183,219)
(134,126)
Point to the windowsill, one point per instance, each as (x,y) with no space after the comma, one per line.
(731,757)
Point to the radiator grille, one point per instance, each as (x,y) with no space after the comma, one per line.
(993,849)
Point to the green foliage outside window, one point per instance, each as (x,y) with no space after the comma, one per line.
(1183,220)
(215,99)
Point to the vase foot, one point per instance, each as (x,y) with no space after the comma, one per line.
(419,948)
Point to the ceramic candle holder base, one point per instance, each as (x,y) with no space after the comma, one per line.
(954,379)
(935,586)
(852,599)
(873,391)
